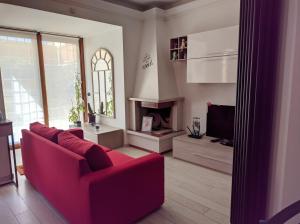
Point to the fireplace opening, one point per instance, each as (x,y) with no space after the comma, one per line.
(167,123)
(166,116)
(161,122)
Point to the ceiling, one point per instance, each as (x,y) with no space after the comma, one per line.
(143,5)
(32,19)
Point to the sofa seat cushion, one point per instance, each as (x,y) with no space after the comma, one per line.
(44,131)
(118,158)
(93,153)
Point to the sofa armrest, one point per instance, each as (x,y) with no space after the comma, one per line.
(78,132)
(122,194)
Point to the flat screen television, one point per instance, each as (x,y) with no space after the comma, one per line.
(220,121)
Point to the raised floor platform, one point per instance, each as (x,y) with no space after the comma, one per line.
(151,142)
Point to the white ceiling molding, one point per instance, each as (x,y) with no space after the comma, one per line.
(189,6)
(35,20)
(99,5)
(156,13)
(144,5)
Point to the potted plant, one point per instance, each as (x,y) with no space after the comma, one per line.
(78,105)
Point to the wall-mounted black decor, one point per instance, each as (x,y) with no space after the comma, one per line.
(259,32)
(147,61)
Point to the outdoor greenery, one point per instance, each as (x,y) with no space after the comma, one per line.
(78,105)
(109,93)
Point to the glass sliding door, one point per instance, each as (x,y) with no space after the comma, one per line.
(21,79)
(62,64)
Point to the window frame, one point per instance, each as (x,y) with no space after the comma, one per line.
(93,69)
(40,62)
(43,76)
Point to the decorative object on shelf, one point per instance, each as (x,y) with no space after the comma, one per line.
(196,125)
(196,129)
(174,56)
(147,124)
(147,61)
(178,48)
(183,44)
(78,105)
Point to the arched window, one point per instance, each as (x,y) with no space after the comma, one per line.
(103,83)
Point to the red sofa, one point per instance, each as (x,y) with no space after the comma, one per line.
(120,194)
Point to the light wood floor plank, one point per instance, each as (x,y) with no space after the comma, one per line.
(194,195)
(6,215)
(27,218)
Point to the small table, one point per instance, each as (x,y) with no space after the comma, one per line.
(107,136)
(6,131)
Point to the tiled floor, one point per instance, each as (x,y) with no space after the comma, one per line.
(194,195)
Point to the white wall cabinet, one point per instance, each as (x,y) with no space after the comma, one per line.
(212,56)
(212,70)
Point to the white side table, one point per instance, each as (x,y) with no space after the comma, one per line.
(107,136)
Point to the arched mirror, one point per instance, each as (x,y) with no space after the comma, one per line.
(103,83)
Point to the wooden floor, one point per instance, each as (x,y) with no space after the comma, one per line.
(194,195)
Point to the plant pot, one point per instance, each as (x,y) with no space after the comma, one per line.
(78,123)
(92,118)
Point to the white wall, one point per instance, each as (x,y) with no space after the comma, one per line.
(156,82)
(113,41)
(208,17)
(194,17)
(129,20)
(146,82)
(285,176)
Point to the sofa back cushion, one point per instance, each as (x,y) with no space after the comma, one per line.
(95,156)
(44,131)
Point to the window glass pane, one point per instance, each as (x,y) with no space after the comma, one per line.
(109,94)
(101,65)
(96,92)
(21,80)
(61,56)
(102,94)
(107,57)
